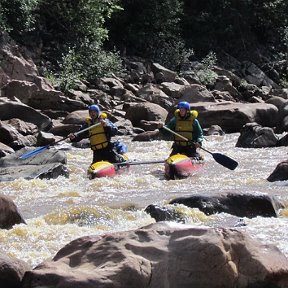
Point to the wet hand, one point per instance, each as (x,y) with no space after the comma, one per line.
(103,122)
(160,125)
(72,136)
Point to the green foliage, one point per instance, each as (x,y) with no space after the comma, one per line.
(270,17)
(284,80)
(142,27)
(166,31)
(61,24)
(205,74)
(17,16)
(68,75)
(172,54)
(70,71)
(89,62)
(80,25)
(236,27)
(95,62)
(210,25)
(69,22)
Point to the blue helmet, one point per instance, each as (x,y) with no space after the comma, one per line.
(183,105)
(94,108)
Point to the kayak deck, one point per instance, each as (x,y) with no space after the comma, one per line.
(180,166)
(105,169)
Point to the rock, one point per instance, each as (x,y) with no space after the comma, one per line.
(163,213)
(196,93)
(232,116)
(48,164)
(5,150)
(253,135)
(153,94)
(164,255)
(145,111)
(12,109)
(148,136)
(241,205)
(11,271)
(253,74)
(163,74)
(9,214)
(214,130)
(280,173)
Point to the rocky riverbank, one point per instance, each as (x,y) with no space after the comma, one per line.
(33,113)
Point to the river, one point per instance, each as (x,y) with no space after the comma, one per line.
(60,210)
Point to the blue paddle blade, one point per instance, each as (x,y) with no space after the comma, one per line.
(33,152)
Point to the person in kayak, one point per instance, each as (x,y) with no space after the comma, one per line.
(185,123)
(100,137)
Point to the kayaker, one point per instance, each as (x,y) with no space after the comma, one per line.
(100,137)
(185,123)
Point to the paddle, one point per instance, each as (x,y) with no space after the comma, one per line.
(128,163)
(218,157)
(43,148)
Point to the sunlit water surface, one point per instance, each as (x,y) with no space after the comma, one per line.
(60,210)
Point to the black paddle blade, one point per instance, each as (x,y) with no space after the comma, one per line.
(225,161)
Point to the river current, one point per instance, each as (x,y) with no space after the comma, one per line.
(60,210)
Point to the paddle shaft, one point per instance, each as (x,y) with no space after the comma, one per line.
(175,133)
(128,163)
(184,138)
(76,133)
(41,149)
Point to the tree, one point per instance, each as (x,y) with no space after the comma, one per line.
(17,16)
(148,29)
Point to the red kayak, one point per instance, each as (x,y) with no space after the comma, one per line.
(105,169)
(181,166)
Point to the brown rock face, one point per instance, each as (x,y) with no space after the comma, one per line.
(9,214)
(160,255)
(11,271)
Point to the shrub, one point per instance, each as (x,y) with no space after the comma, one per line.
(206,75)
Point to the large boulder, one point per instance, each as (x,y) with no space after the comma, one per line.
(39,94)
(145,111)
(162,74)
(164,255)
(5,150)
(9,214)
(254,75)
(280,173)
(15,109)
(12,271)
(14,63)
(11,137)
(282,105)
(253,135)
(196,93)
(20,78)
(50,163)
(231,116)
(241,205)
(153,94)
